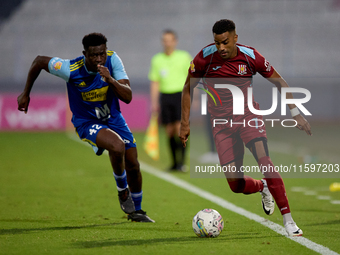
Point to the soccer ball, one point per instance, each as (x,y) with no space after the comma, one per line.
(207,223)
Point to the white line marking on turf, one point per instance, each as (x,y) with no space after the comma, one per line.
(310,193)
(314,193)
(227,205)
(323,197)
(298,189)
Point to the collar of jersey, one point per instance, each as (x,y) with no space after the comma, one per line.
(89,72)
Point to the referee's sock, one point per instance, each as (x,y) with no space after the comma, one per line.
(173,147)
(182,149)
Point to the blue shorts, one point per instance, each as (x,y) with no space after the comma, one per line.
(89,130)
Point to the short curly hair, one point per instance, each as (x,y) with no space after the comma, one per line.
(93,39)
(223,25)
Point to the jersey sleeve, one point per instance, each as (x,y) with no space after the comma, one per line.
(262,66)
(197,66)
(60,67)
(118,70)
(153,72)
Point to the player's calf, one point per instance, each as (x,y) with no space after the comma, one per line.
(245,185)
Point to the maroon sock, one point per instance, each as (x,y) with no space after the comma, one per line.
(275,184)
(252,185)
(246,185)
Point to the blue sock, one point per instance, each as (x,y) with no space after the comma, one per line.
(137,199)
(121,181)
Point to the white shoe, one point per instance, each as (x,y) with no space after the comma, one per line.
(267,199)
(292,229)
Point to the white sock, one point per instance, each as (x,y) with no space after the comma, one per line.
(287,217)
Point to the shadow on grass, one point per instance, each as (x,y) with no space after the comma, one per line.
(178,240)
(14,231)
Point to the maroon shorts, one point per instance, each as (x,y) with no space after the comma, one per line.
(230,137)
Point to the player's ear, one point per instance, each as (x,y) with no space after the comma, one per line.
(235,37)
(84,53)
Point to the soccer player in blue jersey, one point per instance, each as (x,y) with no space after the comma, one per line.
(96,82)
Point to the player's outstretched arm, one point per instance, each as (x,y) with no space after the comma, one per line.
(121,87)
(39,63)
(187,92)
(302,123)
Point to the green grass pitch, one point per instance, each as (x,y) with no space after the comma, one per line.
(57,197)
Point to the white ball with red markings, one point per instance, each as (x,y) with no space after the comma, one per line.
(208,223)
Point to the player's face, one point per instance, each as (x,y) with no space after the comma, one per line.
(169,42)
(94,56)
(226,44)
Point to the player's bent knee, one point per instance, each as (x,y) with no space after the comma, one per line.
(258,151)
(117,149)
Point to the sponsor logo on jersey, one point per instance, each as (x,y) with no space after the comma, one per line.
(95,95)
(192,66)
(242,69)
(57,65)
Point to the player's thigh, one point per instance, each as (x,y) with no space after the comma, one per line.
(229,146)
(258,147)
(110,140)
(232,171)
(254,136)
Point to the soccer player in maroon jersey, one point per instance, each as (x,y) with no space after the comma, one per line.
(226,59)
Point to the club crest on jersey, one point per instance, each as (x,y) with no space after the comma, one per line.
(57,66)
(242,69)
(192,67)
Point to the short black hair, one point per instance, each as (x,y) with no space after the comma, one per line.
(223,25)
(170,31)
(93,39)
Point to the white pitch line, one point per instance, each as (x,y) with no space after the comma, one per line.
(324,197)
(227,205)
(310,193)
(298,189)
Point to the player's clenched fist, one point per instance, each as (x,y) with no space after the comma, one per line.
(184,133)
(23,102)
(104,72)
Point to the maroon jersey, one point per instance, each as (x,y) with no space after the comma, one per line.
(238,71)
